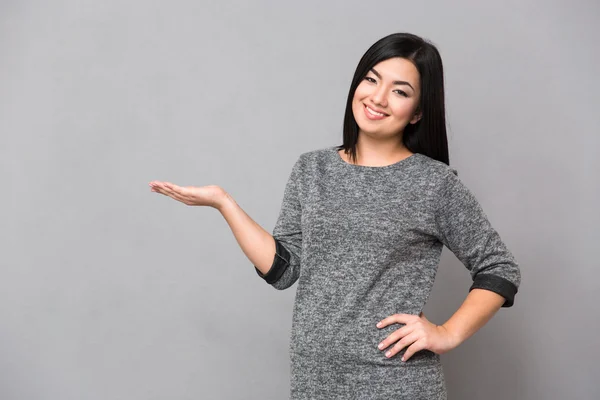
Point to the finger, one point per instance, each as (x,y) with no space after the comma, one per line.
(412,349)
(173,187)
(406,340)
(160,189)
(181,194)
(177,196)
(178,190)
(172,193)
(394,337)
(170,188)
(397,318)
(156,184)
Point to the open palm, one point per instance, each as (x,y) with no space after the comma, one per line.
(190,195)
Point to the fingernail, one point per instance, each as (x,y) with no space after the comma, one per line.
(378,324)
(402,358)
(380,345)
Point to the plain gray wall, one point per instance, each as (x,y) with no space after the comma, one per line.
(110,291)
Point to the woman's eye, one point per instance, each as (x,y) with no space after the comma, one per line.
(400,92)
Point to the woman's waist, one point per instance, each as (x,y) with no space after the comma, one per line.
(354,359)
(358,350)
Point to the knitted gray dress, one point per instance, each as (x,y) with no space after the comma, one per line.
(364,243)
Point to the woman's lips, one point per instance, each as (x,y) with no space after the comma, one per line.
(372,116)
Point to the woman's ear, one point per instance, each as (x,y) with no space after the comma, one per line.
(416,117)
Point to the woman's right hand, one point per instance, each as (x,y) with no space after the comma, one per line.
(211,195)
(256,243)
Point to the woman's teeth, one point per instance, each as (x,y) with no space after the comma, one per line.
(374,112)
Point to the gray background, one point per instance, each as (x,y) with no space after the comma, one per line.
(110,291)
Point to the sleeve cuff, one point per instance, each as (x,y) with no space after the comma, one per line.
(280,263)
(496,284)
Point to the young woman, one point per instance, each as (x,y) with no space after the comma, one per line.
(361,229)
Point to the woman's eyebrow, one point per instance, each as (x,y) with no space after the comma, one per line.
(395,82)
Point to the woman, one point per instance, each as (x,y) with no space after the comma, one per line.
(361,229)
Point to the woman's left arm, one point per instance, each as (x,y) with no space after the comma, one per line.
(463,227)
(477,309)
(419,333)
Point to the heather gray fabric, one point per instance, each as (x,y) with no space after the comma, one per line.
(364,243)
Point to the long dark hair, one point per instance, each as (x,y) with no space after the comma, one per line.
(428,135)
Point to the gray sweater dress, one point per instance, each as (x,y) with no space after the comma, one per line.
(364,243)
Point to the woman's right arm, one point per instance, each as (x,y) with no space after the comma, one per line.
(256,243)
(276,257)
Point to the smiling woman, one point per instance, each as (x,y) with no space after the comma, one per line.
(383,96)
(361,229)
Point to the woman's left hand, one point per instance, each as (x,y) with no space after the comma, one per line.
(418,334)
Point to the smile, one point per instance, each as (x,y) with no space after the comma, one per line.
(372,114)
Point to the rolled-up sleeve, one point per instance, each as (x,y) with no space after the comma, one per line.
(464,228)
(285,270)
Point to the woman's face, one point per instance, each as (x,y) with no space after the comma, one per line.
(392,89)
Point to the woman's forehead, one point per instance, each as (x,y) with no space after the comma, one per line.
(397,69)
(394,67)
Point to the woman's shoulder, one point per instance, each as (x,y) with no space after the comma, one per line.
(309,164)
(435,166)
(427,166)
(316,156)
(435,171)
(318,152)
(444,178)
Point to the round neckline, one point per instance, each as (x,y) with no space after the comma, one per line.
(369,167)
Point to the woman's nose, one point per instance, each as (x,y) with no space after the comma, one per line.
(379,98)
